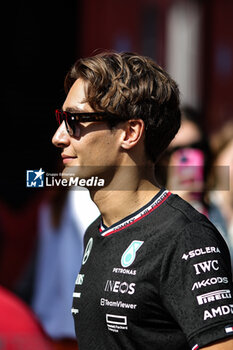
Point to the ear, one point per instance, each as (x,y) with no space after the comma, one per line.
(133,132)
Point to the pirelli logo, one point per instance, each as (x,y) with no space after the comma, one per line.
(213,296)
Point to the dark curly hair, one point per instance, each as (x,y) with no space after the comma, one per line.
(132,86)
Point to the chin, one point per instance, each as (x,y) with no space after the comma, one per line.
(83,172)
(68,172)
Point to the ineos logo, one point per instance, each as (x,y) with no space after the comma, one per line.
(118,286)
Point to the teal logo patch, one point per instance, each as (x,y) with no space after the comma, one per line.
(129,255)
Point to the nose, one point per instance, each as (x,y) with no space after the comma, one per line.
(61,137)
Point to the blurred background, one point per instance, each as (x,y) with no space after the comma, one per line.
(191,39)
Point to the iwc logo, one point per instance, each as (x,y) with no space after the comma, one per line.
(130,254)
(87,251)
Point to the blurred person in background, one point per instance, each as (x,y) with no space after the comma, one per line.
(62,224)
(187,165)
(189,158)
(221,177)
(63,217)
(19,328)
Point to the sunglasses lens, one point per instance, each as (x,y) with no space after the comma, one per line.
(58,116)
(70,125)
(72,120)
(69,122)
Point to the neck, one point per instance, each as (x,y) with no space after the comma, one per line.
(129,190)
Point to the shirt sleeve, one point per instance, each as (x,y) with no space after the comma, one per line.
(196,284)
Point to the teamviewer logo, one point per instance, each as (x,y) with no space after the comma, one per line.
(35,178)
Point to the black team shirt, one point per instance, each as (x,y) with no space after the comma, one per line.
(159,279)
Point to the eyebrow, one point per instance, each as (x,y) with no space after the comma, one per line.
(74,110)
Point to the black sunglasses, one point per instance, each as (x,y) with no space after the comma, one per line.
(72,119)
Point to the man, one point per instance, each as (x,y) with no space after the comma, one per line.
(155,272)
